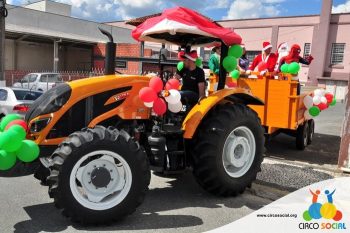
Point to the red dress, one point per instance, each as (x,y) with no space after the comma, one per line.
(263,63)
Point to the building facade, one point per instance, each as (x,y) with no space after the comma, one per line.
(326,37)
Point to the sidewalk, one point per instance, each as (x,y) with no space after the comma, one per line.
(286,169)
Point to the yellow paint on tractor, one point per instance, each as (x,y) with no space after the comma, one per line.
(283,108)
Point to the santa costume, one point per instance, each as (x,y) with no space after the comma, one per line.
(282,51)
(264,62)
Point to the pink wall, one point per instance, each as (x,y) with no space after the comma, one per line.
(296,30)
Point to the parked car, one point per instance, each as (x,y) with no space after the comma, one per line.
(39,81)
(16,100)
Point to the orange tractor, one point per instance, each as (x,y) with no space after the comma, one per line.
(99,142)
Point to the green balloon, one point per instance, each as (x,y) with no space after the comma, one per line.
(28,152)
(284,68)
(199,62)
(235,51)
(293,68)
(314,111)
(7,119)
(10,141)
(229,63)
(334,102)
(20,130)
(7,160)
(235,74)
(306,215)
(180,65)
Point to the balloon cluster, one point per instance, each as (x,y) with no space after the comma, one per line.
(292,68)
(230,62)
(13,144)
(154,96)
(317,102)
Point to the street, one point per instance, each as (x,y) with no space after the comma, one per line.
(178,203)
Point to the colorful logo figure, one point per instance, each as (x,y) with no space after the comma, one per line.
(326,211)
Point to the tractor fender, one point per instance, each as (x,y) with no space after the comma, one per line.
(199,111)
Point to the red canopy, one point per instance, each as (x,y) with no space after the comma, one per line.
(183,26)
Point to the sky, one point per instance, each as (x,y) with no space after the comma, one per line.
(115,10)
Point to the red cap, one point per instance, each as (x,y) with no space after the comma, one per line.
(191,56)
(266,45)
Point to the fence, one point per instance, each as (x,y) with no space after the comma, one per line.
(13,76)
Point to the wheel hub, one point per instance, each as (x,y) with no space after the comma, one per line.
(100,177)
(236,151)
(100,180)
(239,152)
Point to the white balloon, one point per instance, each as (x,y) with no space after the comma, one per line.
(174,97)
(175,108)
(324,100)
(308,101)
(323,92)
(148,104)
(320,92)
(316,100)
(307,115)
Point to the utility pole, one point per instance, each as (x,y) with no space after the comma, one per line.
(3,15)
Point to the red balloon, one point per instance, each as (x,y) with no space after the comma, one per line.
(262,66)
(231,84)
(147,94)
(172,84)
(322,106)
(18,122)
(338,216)
(329,97)
(156,84)
(159,106)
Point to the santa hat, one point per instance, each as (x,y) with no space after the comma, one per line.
(191,56)
(283,45)
(266,45)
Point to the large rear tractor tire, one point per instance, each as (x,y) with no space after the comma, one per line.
(98,176)
(311,131)
(228,150)
(302,136)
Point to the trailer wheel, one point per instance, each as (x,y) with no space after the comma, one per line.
(302,136)
(98,176)
(311,131)
(228,150)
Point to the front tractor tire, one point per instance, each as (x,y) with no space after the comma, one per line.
(228,150)
(98,176)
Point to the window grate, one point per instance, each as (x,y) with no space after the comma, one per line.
(337,54)
(252,54)
(307,49)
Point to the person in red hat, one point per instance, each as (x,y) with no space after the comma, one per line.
(193,78)
(294,56)
(264,62)
(282,51)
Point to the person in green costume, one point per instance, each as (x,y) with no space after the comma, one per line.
(214,61)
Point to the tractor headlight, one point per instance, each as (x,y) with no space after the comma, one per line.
(38,125)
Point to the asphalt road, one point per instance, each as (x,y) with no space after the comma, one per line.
(179,204)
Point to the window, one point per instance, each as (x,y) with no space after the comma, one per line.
(26,95)
(3,95)
(307,49)
(252,54)
(51,78)
(337,54)
(29,78)
(121,64)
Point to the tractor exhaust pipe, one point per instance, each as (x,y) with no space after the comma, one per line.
(110,53)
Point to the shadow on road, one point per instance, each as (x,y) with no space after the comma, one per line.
(181,192)
(323,150)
